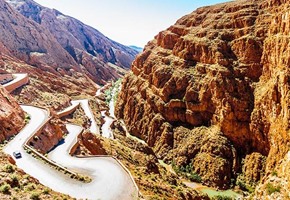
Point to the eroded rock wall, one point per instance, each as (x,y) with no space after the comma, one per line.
(11,115)
(49,136)
(85,47)
(223,66)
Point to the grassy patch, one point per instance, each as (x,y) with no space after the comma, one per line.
(35,196)
(8,168)
(272,189)
(187,172)
(5,188)
(220,195)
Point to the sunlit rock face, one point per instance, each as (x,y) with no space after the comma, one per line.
(221,67)
(11,115)
(81,44)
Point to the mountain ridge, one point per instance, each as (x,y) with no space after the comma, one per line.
(86,49)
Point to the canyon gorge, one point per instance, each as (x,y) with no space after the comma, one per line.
(212,92)
(205,102)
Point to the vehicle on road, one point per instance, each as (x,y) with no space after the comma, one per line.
(17,154)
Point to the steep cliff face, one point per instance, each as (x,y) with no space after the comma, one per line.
(51,134)
(28,41)
(224,66)
(11,116)
(85,45)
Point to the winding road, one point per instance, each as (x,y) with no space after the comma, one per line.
(85,105)
(106,127)
(110,181)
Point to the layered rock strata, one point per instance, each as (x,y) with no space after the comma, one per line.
(223,66)
(79,46)
(11,116)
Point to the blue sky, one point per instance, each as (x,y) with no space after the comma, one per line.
(130,22)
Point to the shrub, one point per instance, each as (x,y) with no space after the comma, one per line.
(27,118)
(30,187)
(274,173)
(35,196)
(194,177)
(5,188)
(245,187)
(8,168)
(15,180)
(221,197)
(271,189)
(46,191)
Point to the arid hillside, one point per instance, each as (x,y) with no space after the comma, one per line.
(85,45)
(53,42)
(11,116)
(212,92)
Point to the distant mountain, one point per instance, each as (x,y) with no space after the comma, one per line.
(46,36)
(139,49)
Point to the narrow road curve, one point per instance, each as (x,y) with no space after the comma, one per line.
(18,81)
(106,127)
(109,180)
(85,105)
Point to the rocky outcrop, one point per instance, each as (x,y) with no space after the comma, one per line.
(210,154)
(223,66)
(11,115)
(252,171)
(91,144)
(30,42)
(85,45)
(49,136)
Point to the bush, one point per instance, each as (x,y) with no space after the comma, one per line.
(274,173)
(35,196)
(194,177)
(245,187)
(8,168)
(30,187)
(271,189)
(221,197)
(5,188)
(46,191)
(15,180)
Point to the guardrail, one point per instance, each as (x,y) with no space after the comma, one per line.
(14,85)
(69,111)
(34,151)
(50,161)
(73,149)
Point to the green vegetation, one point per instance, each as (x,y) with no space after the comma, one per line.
(46,191)
(187,172)
(221,197)
(109,92)
(271,188)
(274,173)
(8,168)
(30,187)
(35,196)
(5,188)
(27,118)
(244,186)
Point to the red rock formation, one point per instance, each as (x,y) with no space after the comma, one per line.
(49,136)
(224,66)
(92,144)
(85,45)
(11,115)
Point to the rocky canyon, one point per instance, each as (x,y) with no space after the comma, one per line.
(212,92)
(11,115)
(206,101)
